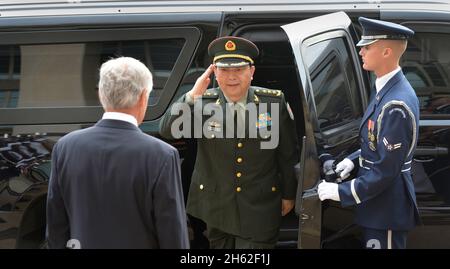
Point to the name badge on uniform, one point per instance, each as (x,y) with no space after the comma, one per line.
(371,136)
(264,120)
(214,126)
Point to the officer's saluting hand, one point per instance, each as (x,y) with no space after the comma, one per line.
(202,83)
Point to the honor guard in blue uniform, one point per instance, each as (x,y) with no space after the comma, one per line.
(238,188)
(383,190)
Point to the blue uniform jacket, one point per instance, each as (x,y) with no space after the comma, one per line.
(383,190)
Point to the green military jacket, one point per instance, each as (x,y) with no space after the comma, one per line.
(236,186)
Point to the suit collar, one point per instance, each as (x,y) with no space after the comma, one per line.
(369,111)
(379,96)
(221,100)
(252,97)
(381,81)
(118,124)
(242,102)
(120,116)
(396,78)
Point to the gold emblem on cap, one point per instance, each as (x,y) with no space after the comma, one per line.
(230,46)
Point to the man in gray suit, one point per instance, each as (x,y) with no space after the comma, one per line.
(111,185)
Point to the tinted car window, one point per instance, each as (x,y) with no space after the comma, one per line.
(426,64)
(66,75)
(334,84)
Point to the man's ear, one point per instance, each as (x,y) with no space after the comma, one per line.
(142,98)
(387,52)
(142,106)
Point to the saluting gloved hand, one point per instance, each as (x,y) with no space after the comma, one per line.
(345,167)
(328,191)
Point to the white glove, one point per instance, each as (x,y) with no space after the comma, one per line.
(345,167)
(327,190)
(327,166)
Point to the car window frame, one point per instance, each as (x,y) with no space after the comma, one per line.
(90,114)
(349,131)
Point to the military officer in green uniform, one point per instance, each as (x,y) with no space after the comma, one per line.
(239,188)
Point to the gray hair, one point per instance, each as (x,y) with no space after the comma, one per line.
(122,81)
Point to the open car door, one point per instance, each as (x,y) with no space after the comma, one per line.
(334,97)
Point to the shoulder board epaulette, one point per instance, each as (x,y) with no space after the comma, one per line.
(267,92)
(210,94)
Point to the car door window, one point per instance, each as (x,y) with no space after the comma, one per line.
(65,75)
(334,85)
(51,77)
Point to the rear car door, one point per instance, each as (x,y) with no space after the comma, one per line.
(334,95)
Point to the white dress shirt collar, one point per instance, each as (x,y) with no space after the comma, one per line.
(120,116)
(381,81)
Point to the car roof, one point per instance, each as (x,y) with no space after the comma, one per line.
(17,8)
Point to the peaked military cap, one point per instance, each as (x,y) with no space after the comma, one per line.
(231,51)
(374,30)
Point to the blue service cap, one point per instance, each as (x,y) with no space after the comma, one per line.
(374,30)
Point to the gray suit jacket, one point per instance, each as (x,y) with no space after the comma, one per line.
(112,186)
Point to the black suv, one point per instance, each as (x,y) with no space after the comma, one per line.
(50,54)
